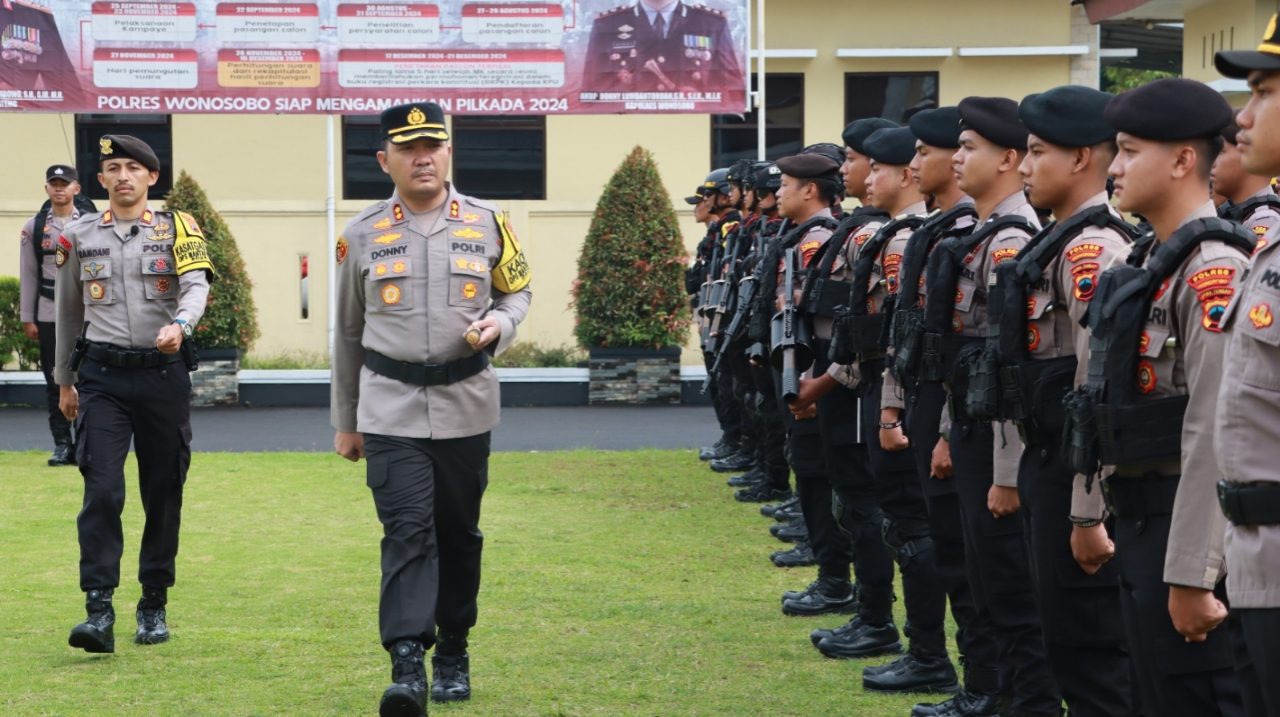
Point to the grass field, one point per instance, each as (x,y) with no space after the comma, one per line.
(614,584)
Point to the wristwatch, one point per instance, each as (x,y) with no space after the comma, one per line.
(186,327)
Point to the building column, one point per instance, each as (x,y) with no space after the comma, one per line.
(1085,69)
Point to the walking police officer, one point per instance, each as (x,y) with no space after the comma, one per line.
(36,277)
(431,283)
(132,283)
(1248,427)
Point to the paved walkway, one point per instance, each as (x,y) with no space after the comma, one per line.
(522,429)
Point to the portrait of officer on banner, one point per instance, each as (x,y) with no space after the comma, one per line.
(661,46)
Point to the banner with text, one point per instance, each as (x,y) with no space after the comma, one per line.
(332,56)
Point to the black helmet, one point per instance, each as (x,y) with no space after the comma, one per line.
(768,178)
(738,171)
(717,181)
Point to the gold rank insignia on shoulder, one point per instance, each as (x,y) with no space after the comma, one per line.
(468,233)
(383,223)
(104,146)
(470,218)
(398,213)
(455,209)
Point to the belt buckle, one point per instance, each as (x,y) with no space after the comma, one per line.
(436,374)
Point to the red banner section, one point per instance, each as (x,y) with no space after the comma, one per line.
(499,56)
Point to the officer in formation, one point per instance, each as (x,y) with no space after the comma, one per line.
(1044,399)
(36,275)
(419,404)
(132,283)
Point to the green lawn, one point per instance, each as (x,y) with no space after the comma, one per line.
(615,584)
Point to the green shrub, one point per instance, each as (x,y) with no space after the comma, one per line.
(14,343)
(630,287)
(531,355)
(286,360)
(230,320)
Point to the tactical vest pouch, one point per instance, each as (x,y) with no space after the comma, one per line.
(908,342)
(1080,435)
(1035,393)
(825,296)
(841,351)
(982,400)
(1141,431)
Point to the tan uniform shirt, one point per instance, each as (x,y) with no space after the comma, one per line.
(971,318)
(410,293)
(1181,349)
(805,250)
(1262,219)
(30,272)
(124,283)
(1248,424)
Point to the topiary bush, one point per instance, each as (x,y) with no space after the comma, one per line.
(230,320)
(630,287)
(14,343)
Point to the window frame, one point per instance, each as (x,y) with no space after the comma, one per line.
(749,121)
(849,116)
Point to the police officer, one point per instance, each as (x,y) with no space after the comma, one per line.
(1155,366)
(1251,201)
(992,144)
(132,283)
(1246,424)
(1044,352)
(419,404)
(937,133)
(661,46)
(36,275)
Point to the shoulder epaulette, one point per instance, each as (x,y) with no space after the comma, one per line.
(614,11)
(482,204)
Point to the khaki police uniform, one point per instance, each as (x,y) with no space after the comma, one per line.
(120,283)
(36,279)
(408,288)
(1263,217)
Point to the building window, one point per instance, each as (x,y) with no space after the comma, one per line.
(895,96)
(734,137)
(362,176)
(155,130)
(500,157)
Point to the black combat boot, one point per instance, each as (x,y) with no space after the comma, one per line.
(152,628)
(755,476)
(964,704)
(820,634)
(450,669)
(407,697)
(828,595)
(740,460)
(722,448)
(771,510)
(791,532)
(64,453)
(798,557)
(913,673)
(96,633)
(761,493)
(864,640)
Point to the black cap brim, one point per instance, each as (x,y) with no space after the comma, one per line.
(439,135)
(692,200)
(1237,64)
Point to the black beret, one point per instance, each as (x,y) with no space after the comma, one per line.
(65,172)
(996,119)
(937,127)
(1168,110)
(1068,116)
(809,166)
(124,146)
(858,131)
(1231,132)
(405,123)
(1237,64)
(892,145)
(830,150)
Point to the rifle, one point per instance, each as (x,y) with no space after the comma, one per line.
(723,290)
(704,292)
(746,292)
(791,351)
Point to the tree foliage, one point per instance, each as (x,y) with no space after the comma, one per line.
(1118,79)
(630,292)
(13,343)
(230,320)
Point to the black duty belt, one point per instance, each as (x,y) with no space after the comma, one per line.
(1250,503)
(426,374)
(1138,497)
(113,355)
(46,288)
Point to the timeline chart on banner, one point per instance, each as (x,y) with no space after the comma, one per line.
(383,25)
(269,68)
(145,69)
(456,69)
(267,22)
(144,22)
(512,23)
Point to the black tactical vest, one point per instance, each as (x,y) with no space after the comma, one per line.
(820,294)
(856,332)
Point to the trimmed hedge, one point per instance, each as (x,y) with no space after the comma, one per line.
(14,345)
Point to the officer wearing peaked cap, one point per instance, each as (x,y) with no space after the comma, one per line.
(132,284)
(1155,367)
(661,46)
(1248,413)
(1069,149)
(431,283)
